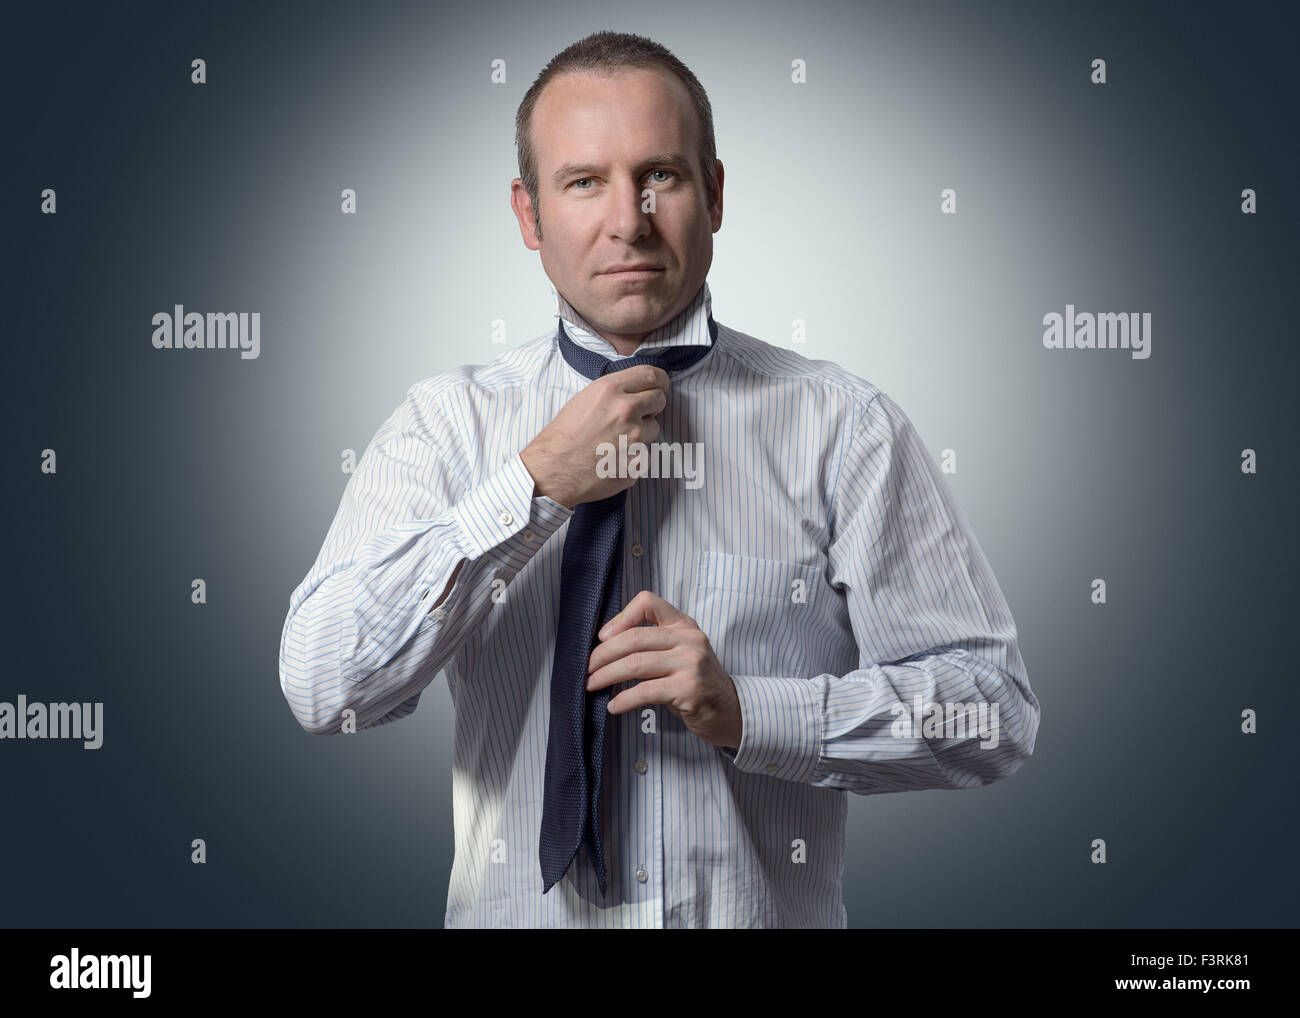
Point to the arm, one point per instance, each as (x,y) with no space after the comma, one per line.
(407,569)
(930,622)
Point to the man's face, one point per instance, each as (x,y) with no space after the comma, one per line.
(600,142)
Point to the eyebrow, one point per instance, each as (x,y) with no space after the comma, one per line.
(674,159)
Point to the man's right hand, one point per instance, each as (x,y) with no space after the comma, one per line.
(563,457)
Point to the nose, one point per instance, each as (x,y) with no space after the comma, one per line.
(624,218)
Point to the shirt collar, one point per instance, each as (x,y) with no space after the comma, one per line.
(689,328)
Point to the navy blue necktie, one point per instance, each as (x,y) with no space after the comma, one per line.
(591,593)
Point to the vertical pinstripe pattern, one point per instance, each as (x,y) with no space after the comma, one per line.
(814,481)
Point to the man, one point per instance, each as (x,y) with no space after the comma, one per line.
(664,686)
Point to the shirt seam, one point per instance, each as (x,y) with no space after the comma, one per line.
(846,449)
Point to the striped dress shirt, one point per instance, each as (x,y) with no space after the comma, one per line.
(823,555)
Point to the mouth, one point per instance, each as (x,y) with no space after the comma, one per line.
(633,274)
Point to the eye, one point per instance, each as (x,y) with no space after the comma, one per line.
(668,172)
(579,181)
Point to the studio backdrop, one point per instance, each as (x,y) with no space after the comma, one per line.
(936,196)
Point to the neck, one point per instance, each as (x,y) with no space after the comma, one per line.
(625,345)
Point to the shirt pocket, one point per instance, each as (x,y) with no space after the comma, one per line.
(758,613)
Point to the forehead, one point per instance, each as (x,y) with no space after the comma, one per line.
(586,114)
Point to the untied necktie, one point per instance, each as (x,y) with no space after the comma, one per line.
(591,593)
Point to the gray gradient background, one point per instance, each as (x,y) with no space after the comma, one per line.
(1072,464)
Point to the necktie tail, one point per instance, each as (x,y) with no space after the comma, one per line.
(590,573)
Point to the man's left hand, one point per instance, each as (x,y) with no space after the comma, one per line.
(675,664)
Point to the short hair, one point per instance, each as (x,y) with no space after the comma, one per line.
(608,53)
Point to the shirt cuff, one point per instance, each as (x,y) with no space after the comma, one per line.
(781,727)
(503,508)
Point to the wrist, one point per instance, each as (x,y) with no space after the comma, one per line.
(543,479)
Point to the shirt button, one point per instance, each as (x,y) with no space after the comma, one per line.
(637,551)
(642,875)
(529,536)
(640,766)
(438,614)
(771,768)
(506,519)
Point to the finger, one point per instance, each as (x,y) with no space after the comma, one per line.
(649,403)
(640,378)
(650,664)
(641,695)
(647,606)
(629,642)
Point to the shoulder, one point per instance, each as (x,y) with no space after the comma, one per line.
(832,383)
(515,368)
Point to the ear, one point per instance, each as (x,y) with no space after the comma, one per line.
(523,206)
(715,213)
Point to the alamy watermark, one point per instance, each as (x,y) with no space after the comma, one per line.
(217,330)
(73,971)
(658,459)
(25,720)
(1105,330)
(935,720)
